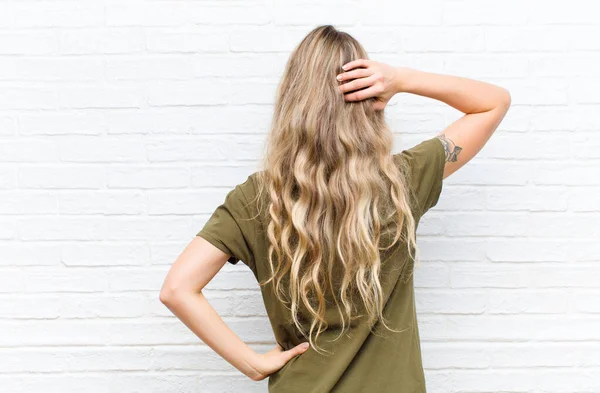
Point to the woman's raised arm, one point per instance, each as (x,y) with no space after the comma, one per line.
(484,105)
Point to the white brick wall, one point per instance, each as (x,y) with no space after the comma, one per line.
(124,123)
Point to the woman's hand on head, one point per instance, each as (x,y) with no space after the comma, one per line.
(270,362)
(365,78)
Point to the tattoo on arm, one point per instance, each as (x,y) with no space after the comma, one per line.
(452,150)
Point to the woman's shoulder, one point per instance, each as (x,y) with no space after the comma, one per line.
(247,188)
(421,153)
(423,164)
(250,193)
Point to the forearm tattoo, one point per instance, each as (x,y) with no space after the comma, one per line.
(452,150)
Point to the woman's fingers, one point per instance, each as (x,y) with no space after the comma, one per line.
(360,95)
(355,74)
(357,84)
(297,350)
(373,80)
(356,63)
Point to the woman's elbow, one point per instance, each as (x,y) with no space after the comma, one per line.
(168,294)
(505,99)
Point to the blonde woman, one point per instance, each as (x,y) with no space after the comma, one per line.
(328,225)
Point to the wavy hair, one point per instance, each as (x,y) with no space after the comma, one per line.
(332,189)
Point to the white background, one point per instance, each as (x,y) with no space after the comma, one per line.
(123,124)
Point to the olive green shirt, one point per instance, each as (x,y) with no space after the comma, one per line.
(384,362)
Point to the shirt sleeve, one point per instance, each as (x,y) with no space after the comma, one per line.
(230,227)
(425,172)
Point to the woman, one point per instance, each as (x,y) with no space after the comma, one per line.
(328,226)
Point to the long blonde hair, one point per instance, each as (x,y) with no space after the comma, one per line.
(332,184)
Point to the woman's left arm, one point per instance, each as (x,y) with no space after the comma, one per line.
(182,294)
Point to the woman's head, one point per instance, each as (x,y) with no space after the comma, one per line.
(309,101)
(310,74)
(332,187)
